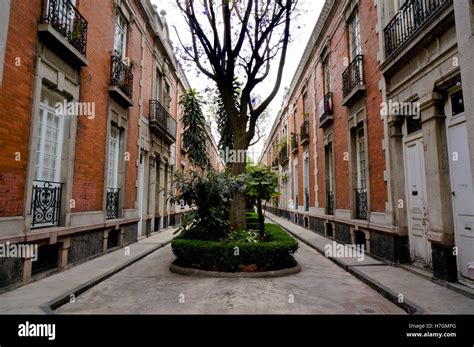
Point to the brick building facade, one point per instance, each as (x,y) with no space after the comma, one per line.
(378,89)
(92,175)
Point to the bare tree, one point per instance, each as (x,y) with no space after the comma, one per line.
(241,39)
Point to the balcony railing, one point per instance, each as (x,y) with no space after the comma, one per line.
(162,120)
(283,155)
(294,142)
(411,16)
(112,203)
(325,108)
(46,204)
(304,132)
(353,76)
(361,203)
(330,203)
(67,20)
(121,76)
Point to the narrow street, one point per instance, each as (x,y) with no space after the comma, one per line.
(148,287)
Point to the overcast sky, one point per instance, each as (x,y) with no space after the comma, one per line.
(306,21)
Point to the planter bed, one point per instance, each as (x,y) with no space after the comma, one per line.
(219,256)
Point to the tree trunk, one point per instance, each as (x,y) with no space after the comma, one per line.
(238,203)
(261,220)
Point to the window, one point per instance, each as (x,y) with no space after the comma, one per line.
(326,76)
(50,139)
(361,159)
(158,86)
(305,104)
(398,4)
(354,36)
(295,174)
(330,173)
(120,39)
(413,124)
(113,158)
(167,97)
(457,103)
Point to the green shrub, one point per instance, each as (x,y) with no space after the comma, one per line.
(243,235)
(252,220)
(273,254)
(209,195)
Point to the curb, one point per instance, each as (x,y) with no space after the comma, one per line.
(386,292)
(217,274)
(50,306)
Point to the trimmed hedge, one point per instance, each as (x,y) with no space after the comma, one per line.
(252,220)
(274,254)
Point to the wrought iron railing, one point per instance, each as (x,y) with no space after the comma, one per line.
(67,20)
(411,16)
(46,204)
(326,107)
(121,76)
(160,116)
(283,155)
(353,76)
(361,203)
(330,203)
(304,131)
(112,203)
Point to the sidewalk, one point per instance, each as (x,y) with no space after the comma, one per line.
(36,297)
(420,295)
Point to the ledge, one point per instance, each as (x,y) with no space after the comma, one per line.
(327,120)
(120,96)
(357,223)
(60,44)
(360,89)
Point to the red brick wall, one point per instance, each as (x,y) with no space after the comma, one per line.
(376,155)
(338,47)
(16,103)
(91,140)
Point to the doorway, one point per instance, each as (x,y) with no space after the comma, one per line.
(420,248)
(461,184)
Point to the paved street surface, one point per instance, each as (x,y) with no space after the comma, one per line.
(148,287)
(427,295)
(28,299)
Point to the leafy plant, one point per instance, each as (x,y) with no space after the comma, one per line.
(294,141)
(194,135)
(243,235)
(209,195)
(261,184)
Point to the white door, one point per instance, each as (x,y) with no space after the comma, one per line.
(141,186)
(461,183)
(420,248)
